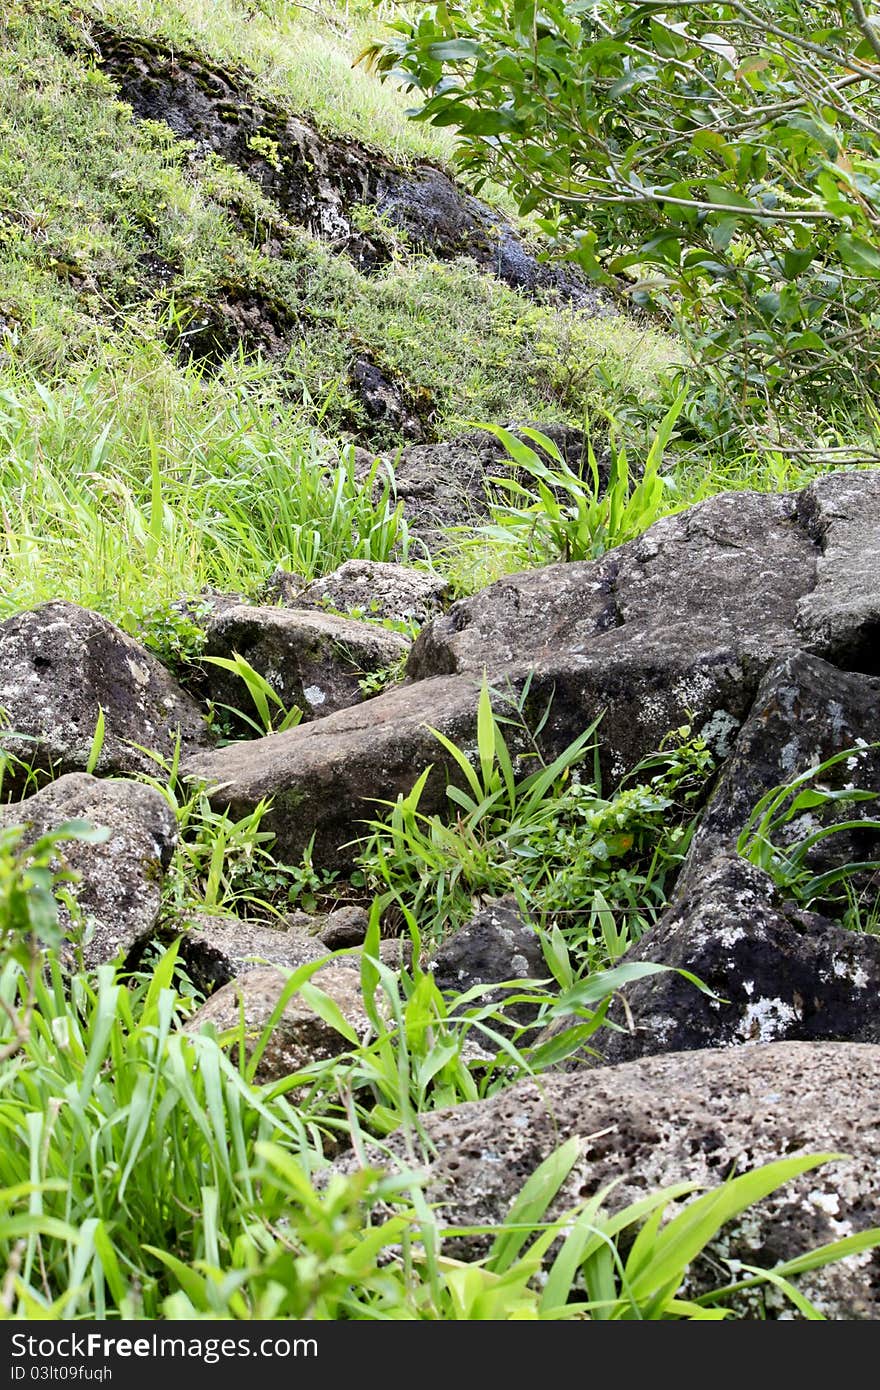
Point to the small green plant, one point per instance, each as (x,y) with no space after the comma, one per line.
(770,837)
(262,694)
(34,881)
(548,836)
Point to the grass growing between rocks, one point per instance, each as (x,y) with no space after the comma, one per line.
(145,1174)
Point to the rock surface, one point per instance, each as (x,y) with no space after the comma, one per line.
(301,1036)
(60,665)
(312,660)
(215,950)
(694,1116)
(368,588)
(498,945)
(782,972)
(121,885)
(779,972)
(677,626)
(318,181)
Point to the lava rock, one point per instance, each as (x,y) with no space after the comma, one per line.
(60,666)
(120,889)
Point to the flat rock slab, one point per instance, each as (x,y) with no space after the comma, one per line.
(678,626)
(120,890)
(692,1117)
(60,665)
(313,660)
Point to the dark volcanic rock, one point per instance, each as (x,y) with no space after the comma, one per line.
(60,665)
(778,972)
(322,776)
(805,711)
(318,181)
(448,484)
(692,1117)
(313,660)
(120,891)
(781,972)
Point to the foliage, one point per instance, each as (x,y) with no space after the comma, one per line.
(563,515)
(772,836)
(548,836)
(725,151)
(34,881)
(208,1204)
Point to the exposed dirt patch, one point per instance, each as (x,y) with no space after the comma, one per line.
(237,318)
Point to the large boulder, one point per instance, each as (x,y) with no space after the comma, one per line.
(678,626)
(313,660)
(684,1117)
(60,666)
(120,889)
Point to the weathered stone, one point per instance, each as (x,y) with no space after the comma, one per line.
(386,401)
(120,891)
(215,950)
(497,946)
(300,1036)
(367,588)
(686,1117)
(678,626)
(60,665)
(448,484)
(840,617)
(321,776)
(319,181)
(347,926)
(311,659)
(805,711)
(778,972)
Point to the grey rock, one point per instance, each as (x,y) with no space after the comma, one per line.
(60,665)
(369,589)
(777,972)
(685,1117)
(498,945)
(449,484)
(321,776)
(119,893)
(311,659)
(215,950)
(300,1036)
(840,617)
(805,711)
(678,626)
